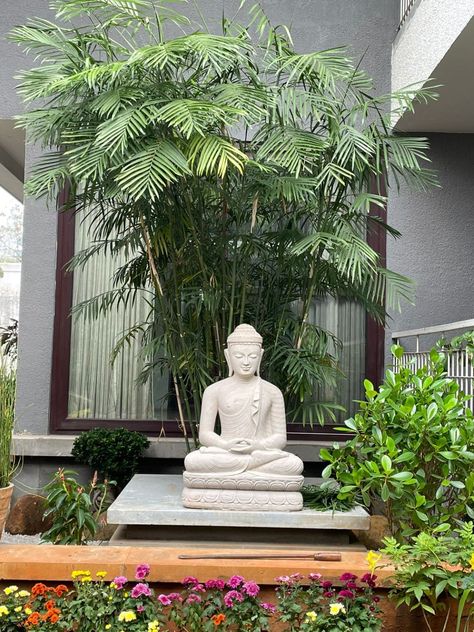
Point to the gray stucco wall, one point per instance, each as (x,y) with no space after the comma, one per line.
(436,248)
(367,27)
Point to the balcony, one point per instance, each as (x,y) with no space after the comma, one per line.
(459,362)
(435,39)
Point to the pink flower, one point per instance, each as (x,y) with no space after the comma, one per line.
(328,594)
(120,582)
(283,579)
(140,608)
(351,585)
(199,588)
(231,596)
(268,606)
(217,584)
(235,581)
(376,598)
(190,580)
(172,597)
(296,577)
(326,585)
(251,589)
(143,570)
(193,599)
(368,578)
(347,577)
(140,590)
(346,594)
(314,577)
(164,600)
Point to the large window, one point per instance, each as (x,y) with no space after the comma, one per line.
(89,389)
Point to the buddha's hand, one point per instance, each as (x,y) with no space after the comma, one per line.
(242,446)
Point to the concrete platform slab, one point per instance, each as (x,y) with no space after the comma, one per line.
(155,499)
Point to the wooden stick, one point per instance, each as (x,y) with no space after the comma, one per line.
(321,556)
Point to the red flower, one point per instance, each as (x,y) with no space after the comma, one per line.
(33,619)
(347,577)
(60,590)
(38,589)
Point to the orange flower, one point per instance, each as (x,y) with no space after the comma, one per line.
(38,589)
(218,619)
(49,604)
(33,619)
(54,618)
(60,590)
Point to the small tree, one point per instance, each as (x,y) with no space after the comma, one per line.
(236,173)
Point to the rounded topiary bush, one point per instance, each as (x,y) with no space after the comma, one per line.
(115,453)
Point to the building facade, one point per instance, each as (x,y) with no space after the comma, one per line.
(435,39)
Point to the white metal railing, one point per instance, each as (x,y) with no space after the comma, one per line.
(405,7)
(459,363)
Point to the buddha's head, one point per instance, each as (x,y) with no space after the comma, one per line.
(244,351)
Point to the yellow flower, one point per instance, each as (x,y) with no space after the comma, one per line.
(471,562)
(336,608)
(23,593)
(113,585)
(10,589)
(127,594)
(153,626)
(311,615)
(372,560)
(76,574)
(127,615)
(18,609)
(4,610)
(28,610)
(108,626)
(101,573)
(86,579)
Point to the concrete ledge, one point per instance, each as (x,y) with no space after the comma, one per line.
(56,563)
(57,445)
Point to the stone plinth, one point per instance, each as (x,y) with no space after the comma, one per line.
(150,508)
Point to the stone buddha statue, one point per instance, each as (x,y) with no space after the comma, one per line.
(244,467)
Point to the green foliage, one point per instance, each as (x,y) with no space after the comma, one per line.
(463,341)
(7,420)
(413,449)
(325,497)
(75,519)
(114,453)
(235,173)
(9,339)
(433,566)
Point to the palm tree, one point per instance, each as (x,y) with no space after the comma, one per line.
(235,173)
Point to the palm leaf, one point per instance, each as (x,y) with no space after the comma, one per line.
(147,173)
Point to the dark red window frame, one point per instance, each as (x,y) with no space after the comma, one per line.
(59,421)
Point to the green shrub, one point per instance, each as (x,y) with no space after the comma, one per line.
(433,566)
(413,449)
(114,453)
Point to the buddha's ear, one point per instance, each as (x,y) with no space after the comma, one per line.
(260,361)
(227,357)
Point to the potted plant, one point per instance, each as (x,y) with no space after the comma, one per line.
(7,409)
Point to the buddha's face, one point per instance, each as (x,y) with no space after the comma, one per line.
(244,359)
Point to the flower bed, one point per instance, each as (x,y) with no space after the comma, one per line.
(92,604)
